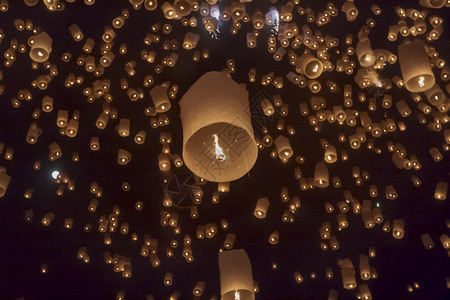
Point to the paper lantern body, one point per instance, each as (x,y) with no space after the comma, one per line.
(235,275)
(4,182)
(41,46)
(432,3)
(415,66)
(365,54)
(309,65)
(321,176)
(216,106)
(160,97)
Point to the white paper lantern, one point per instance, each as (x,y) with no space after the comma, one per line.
(218,140)
(236,279)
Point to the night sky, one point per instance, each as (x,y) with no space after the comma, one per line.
(25,247)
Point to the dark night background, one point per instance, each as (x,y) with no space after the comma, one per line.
(24,247)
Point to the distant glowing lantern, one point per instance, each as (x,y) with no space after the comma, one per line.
(41,46)
(415,67)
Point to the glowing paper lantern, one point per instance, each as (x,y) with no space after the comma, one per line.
(160,97)
(41,46)
(236,279)
(321,176)
(283,147)
(4,182)
(432,3)
(218,140)
(415,66)
(347,273)
(427,241)
(398,228)
(365,54)
(261,208)
(309,65)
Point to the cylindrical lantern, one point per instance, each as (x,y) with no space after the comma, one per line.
(415,67)
(274,237)
(283,147)
(123,157)
(398,228)
(365,54)
(427,241)
(440,192)
(4,182)
(330,155)
(218,140)
(432,3)
(48,218)
(160,97)
(41,46)
(348,274)
(261,208)
(321,176)
(309,65)
(236,279)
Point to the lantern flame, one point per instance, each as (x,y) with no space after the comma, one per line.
(237,296)
(220,156)
(421,81)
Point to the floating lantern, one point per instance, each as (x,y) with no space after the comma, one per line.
(217,130)
(321,176)
(4,183)
(347,273)
(236,279)
(440,192)
(427,241)
(415,67)
(398,228)
(432,3)
(261,208)
(309,65)
(365,54)
(41,46)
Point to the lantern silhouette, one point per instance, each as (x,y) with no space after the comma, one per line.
(218,140)
(236,279)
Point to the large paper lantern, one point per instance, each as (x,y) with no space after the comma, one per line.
(218,140)
(236,279)
(415,66)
